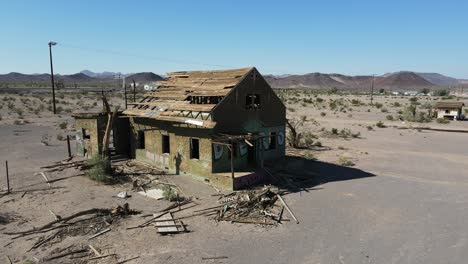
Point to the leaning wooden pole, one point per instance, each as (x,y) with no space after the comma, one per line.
(7,176)
(287,208)
(68,146)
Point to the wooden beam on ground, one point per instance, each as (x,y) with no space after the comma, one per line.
(287,208)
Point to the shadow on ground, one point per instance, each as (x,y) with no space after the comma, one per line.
(301,174)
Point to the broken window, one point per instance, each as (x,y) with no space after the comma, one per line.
(141,139)
(86,134)
(272,140)
(252,102)
(194,148)
(165,144)
(447,111)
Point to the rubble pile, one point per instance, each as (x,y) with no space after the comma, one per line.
(252,206)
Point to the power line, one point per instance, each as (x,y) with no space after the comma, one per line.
(138,56)
(157,58)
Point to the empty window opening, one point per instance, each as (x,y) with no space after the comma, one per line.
(165,144)
(141,139)
(272,140)
(86,134)
(194,148)
(447,111)
(252,102)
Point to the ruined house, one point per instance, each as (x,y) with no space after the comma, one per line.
(449,110)
(218,126)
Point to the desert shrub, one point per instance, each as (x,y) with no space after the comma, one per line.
(413,100)
(334,131)
(323,114)
(18,122)
(319,100)
(370,128)
(63,125)
(60,137)
(99,169)
(441,93)
(412,115)
(347,133)
(345,161)
(396,104)
(426,106)
(1,117)
(378,105)
(380,124)
(442,121)
(389,117)
(384,110)
(169,193)
(356,102)
(59,109)
(291,109)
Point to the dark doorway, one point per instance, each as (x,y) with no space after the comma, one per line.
(194,148)
(141,140)
(166,144)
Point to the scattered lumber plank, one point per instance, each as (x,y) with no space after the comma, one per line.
(127,260)
(287,208)
(95,250)
(61,255)
(99,233)
(248,221)
(220,257)
(103,256)
(147,222)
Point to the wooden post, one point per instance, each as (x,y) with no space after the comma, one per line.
(231,148)
(134,91)
(125,95)
(7,176)
(68,146)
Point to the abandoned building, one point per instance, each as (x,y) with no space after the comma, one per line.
(449,110)
(218,126)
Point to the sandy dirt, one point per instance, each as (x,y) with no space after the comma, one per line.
(405,199)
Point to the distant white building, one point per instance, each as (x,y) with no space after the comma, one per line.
(411,93)
(449,110)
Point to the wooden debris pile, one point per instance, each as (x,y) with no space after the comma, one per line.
(66,164)
(252,206)
(95,221)
(136,168)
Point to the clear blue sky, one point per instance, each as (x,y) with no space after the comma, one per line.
(349,36)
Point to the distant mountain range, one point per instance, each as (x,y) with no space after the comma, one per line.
(397,80)
(81,77)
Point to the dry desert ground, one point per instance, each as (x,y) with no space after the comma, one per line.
(388,192)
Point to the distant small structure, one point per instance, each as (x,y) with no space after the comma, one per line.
(410,93)
(449,110)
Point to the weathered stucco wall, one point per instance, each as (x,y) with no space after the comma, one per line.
(441,113)
(92,145)
(178,160)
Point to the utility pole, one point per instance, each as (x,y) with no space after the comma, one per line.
(125,95)
(134,91)
(372,89)
(51,43)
